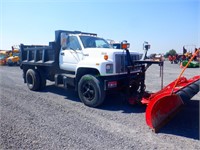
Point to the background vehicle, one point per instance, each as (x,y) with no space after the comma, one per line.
(3,56)
(14,59)
(187,53)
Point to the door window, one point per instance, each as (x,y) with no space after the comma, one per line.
(73,43)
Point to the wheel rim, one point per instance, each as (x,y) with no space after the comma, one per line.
(88,91)
(30,80)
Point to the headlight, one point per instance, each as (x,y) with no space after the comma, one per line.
(109,68)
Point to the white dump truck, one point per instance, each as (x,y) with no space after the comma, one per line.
(85,62)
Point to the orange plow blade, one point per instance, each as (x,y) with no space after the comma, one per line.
(163,105)
(161,109)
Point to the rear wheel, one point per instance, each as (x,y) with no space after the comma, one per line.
(33,80)
(90,91)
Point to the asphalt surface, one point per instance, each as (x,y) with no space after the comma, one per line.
(55,119)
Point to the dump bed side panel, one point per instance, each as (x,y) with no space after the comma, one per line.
(39,55)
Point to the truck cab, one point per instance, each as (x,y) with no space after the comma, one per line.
(91,52)
(77,48)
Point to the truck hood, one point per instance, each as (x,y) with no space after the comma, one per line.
(11,57)
(105,51)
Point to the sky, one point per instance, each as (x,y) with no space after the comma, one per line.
(165,24)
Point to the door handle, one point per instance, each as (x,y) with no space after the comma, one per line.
(62,53)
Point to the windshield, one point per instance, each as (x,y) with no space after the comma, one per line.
(94,42)
(2,56)
(15,54)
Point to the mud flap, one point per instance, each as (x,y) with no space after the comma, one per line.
(161,109)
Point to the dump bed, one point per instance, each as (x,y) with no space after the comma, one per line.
(39,54)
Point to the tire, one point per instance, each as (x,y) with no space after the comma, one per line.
(90,90)
(10,64)
(17,63)
(33,80)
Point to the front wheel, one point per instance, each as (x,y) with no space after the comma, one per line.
(17,63)
(90,90)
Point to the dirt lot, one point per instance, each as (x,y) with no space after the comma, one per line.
(55,118)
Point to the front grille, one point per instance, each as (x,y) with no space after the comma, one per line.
(122,62)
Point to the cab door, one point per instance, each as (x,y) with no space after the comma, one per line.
(71,54)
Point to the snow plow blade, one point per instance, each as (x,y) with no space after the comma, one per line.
(161,109)
(164,104)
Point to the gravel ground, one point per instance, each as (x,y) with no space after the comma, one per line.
(55,118)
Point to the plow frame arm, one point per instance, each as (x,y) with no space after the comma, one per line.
(151,62)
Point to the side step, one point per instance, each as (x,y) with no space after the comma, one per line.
(65,80)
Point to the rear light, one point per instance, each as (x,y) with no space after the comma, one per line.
(112,84)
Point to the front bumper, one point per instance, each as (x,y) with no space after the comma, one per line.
(123,81)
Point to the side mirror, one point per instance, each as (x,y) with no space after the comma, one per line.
(146,46)
(63,40)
